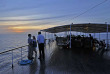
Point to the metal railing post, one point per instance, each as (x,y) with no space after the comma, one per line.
(106,35)
(70,35)
(11,50)
(21,53)
(12,59)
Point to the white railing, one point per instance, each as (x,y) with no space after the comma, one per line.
(12,54)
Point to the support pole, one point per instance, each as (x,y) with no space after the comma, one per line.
(80,33)
(48,36)
(45,38)
(99,36)
(94,35)
(45,35)
(77,33)
(107,35)
(21,53)
(12,59)
(53,36)
(85,34)
(70,35)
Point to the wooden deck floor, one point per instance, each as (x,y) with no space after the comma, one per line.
(64,61)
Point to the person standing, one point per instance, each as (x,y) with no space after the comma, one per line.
(34,44)
(30,51)
(41,40)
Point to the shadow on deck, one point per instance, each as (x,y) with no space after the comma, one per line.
(64,61)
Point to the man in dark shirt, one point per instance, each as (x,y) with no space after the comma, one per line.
(41,40)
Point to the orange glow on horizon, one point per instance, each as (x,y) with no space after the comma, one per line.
(20,29)
(17,30)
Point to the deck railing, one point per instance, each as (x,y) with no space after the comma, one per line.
(108,45)
(11,50)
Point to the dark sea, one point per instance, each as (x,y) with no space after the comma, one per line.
(10,41)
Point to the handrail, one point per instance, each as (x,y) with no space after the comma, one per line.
(12,52)
(12,49)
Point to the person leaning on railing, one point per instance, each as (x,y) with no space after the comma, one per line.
(34,44)
(30,50)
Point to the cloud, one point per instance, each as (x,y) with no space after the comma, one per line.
(36,19)
(9,23)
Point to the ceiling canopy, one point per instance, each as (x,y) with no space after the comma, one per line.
(86,28)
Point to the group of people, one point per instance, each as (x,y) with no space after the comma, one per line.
(32,44)
(84,43)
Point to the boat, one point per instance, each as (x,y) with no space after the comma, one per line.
(61,61)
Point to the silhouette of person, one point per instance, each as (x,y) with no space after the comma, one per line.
(41,40)
(34,44)
(30,50)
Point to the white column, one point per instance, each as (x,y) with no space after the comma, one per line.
(107,36)
(80,33)
(53,36)
(70,35)
(94,35)
(45,37)
(99,36)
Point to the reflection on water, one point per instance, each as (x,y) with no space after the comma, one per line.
(42,67)
(33,67)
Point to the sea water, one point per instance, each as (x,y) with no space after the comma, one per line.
(9,41)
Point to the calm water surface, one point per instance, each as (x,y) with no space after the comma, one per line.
(8,41)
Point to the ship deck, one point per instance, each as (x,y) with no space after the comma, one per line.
(64,61)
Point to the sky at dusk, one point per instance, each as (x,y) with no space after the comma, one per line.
(17,16)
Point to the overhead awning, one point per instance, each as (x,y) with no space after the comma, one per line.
(86,28)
